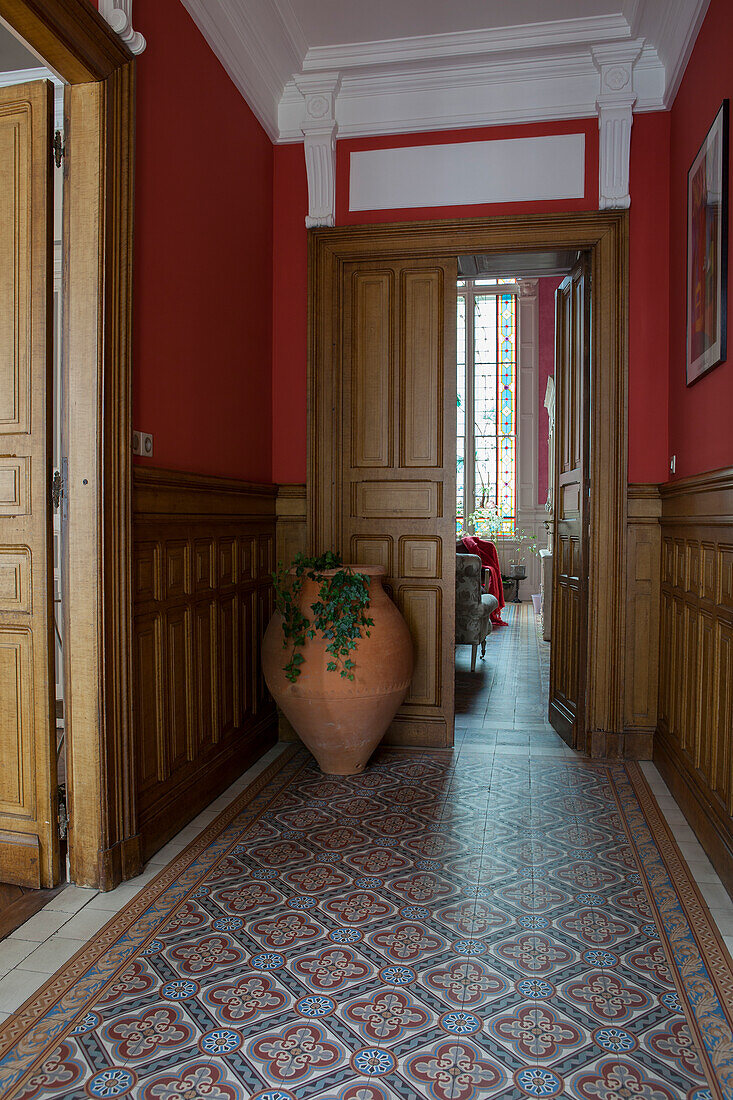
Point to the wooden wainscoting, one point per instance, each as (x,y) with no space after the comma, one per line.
(694,743)
(641,663)
(203,552)
(290,509)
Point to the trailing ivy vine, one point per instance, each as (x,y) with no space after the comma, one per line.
(339,611)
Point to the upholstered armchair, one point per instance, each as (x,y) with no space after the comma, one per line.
(473,609)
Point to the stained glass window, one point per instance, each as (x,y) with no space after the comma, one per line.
(487,402)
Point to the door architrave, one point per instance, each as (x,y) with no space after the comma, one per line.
(76,43)
(605,235)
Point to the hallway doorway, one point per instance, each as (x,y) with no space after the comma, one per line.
(89,556)
(523,330)
(335,504)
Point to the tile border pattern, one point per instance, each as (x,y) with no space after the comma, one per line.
(699,959)
(51,1011)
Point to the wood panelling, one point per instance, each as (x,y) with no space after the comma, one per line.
(203,554)
(641,661)
(695,728)
(334,256)
(291,522)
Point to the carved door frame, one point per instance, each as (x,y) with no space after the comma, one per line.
(605,235)
(77,43)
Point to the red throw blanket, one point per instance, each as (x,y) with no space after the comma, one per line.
(490,561)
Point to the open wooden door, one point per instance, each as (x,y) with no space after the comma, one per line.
(572,486)
(399,466)
(28,828)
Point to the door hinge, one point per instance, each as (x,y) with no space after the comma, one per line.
(57,489)
(63,815)
(59,148)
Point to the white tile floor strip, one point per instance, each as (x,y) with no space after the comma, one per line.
(36,950)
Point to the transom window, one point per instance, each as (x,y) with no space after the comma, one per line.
(487,403)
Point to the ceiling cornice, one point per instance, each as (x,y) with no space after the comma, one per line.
(466,44)
(541,71)
(681,24)
(260,44)
(476,93)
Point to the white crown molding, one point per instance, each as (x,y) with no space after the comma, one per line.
(319,129)
(118,14)
(260,45)
(24,76)
(477,93)
(680,30)
(466,44)
(513,74)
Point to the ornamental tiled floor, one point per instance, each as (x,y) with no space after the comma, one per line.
(500,920)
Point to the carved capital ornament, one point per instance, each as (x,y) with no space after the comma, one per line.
(118,14)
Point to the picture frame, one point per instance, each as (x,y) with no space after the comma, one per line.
(707,251)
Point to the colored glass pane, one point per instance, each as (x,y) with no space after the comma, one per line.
(487,333)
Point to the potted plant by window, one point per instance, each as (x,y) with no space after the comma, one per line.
(337,658)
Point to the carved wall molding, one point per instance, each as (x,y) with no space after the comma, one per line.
(118,14)
(615,106)
(319,129)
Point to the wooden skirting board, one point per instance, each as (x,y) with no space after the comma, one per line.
(203,554)
(693,747)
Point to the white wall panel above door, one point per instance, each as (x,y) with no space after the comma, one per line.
(514,170)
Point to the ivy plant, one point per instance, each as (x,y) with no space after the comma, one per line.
(338,614)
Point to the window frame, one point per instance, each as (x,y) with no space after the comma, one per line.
(470,289)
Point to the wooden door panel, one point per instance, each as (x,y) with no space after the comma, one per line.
(421,370)
(371,412)
(572,473)
(398,443)
(28,844)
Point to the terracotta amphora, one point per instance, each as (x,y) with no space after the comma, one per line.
(342,721)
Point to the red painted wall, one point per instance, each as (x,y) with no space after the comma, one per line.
(588,126)
(648,251)
(700,415)
(648,298)
(202,338)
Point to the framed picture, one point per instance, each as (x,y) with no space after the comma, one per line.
(707,251)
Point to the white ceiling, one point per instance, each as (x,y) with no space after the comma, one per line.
(410,65)
(14,56)
(330,22)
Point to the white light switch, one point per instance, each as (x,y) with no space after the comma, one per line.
(142,444)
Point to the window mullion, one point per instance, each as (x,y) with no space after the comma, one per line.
(470,454)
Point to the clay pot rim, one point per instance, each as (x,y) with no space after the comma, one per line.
(367,570)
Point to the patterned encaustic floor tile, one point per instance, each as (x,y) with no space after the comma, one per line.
(452,925)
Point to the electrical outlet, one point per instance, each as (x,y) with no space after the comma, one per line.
(673,464)
(142,444)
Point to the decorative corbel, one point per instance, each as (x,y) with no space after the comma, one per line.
(615,106)
(319,90)
(118,14)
